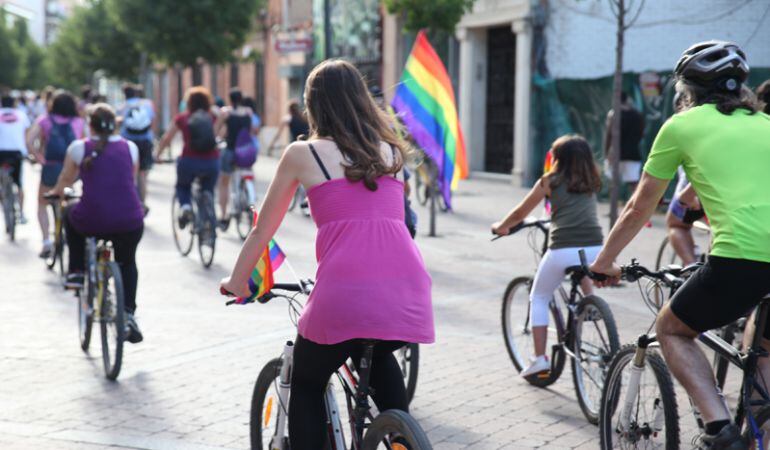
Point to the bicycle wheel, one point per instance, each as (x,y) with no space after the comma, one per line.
(243,215)
(408,358)
(183,239)
(267,409)
(9,211)
(594,342)
(762,419)
(86,312)
(207,228)
(421,188)
(111,320)
(518,334)
(721,364)
(50,260)
(62,250)
(653,419)
(395,429)
(666,255)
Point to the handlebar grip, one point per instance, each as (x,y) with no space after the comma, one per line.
(226,293)
(584,265)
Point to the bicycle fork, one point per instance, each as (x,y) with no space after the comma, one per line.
(284,385)
(634,387)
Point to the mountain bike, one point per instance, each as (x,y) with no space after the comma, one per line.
(243,197)
(9,197)
(588,336)
(391,429)
(638,402)
(202,224)
(101,300)
(59,251)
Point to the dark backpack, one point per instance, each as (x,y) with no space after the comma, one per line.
(202,139)
(59,139)
(245,150)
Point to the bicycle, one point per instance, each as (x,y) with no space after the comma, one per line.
(59,253)
(203,224)
(667,256)
(580,337)
(643,418)
(9,196)
(243,197)
(268,424)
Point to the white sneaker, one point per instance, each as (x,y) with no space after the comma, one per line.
(540,364)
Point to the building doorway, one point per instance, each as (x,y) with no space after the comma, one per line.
(501,57)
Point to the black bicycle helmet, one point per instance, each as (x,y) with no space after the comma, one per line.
(718,64)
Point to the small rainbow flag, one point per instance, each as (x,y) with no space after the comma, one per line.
(425,101)
(261,280)
(547,166)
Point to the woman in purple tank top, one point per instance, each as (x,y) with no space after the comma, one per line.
(109,207)
(371,281)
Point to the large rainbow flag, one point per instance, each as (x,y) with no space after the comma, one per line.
(261,280)
(425,102)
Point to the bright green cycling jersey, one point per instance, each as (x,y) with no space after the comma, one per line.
(727,160)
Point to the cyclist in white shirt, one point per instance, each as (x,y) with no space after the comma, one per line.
(13,148)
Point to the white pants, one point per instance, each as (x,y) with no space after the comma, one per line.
(550,275)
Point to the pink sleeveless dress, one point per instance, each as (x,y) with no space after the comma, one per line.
(371,281)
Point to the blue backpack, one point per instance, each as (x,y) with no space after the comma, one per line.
(59,140)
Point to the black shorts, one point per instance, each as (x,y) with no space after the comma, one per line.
(145,153)
(720,292)
(12,158)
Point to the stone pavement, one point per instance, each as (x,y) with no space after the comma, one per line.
(188,385)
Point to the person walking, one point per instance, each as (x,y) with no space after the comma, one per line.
(571,187)
(109,209)
(48,138)
(371,281)
(295,121)
(631,134)
(136,117)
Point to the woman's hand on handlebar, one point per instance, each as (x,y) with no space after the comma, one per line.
(612,271)
(227,287)
(500,229)
(55,192)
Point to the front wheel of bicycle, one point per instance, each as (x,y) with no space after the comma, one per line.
(517,332)
(50,260)
(112,320)
(594,342)
(408,358)
(395,429)
(267,410)
(207,233)
(653,421)
(183,238)
(243,213)
(86,312)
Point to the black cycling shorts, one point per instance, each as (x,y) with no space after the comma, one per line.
(13,158)
(720,292)
(145,153)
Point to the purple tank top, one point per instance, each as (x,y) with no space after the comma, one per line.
(110,202)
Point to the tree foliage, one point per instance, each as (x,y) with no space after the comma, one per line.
(435,15)
(32,71)
(173,31)
(9,55)
(90,41)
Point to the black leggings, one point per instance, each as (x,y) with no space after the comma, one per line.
(314,364)
(124,245)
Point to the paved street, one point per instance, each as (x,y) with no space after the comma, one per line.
(188,385)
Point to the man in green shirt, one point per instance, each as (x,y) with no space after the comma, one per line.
(723,143)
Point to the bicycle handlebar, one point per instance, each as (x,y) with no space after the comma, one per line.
(68,194)
(302,286)
(586,270)
(541,224)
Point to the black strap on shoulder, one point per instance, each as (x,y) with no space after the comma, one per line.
(393,152)
(318,160)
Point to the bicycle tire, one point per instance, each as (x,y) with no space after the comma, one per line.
(112,367)
(721,364)
(611,398)
(410,364)
(51,259)
(243,215)
(267,377)
(762,419)
(397,425)
(9,210)
(591,305)
(207,225)
(519,359)
(86,312)
(184,246)
(660,260)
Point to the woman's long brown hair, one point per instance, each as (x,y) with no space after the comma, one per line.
(101,118)
(574,166)
(340,108)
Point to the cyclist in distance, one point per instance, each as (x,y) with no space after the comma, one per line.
(136,118)
(571,187)
(235,123)
(296,122)
(13,148)
(256,122)
(371,281)
(48,138)
(200,156)
(723,145)
(109,208)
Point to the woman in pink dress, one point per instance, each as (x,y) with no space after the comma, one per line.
(371,281)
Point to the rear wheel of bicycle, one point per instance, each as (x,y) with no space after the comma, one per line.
(62,250)
(207,233)
(9,211)
(666,255)
(86,312)
(594,342)
(50,260)
(408,358)
(518,332)
(654,421)
(183,238)
(266,409)
(112,320)
(397,430)
(243,215)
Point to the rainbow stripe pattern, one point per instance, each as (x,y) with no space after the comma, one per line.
(425,102)
(261,280)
